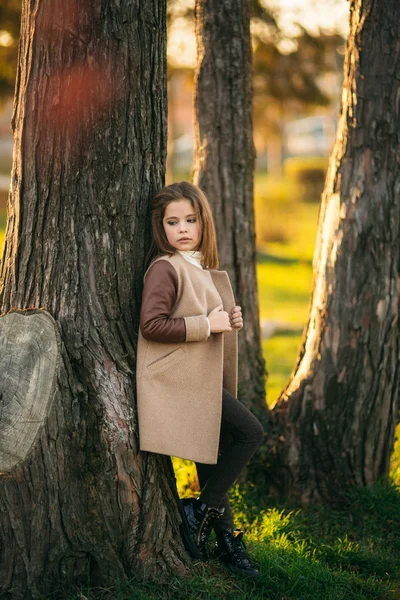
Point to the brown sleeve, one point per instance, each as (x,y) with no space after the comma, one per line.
(159,296)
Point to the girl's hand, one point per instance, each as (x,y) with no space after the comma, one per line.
(236,317)
(219,320)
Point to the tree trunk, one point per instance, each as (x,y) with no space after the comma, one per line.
(89,123)
(339,409)
(224,165)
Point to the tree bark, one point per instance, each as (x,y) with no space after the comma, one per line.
(90,143)
(224,165)
(339,409)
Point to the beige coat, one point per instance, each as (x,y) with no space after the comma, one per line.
(179,385)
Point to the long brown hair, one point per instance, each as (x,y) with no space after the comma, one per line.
(183,191)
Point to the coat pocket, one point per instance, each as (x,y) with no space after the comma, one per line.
(167,360)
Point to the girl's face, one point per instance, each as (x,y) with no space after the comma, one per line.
(181,225)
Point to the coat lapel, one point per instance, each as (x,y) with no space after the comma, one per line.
(230,376)
(223,285)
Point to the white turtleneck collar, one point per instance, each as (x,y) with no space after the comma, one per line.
(192,256)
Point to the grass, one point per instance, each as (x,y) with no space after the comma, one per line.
(284,291)
(313,553)
(284,225)
(280,352)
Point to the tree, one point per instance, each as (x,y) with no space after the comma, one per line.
(90,143)
(338,412)
(224,165)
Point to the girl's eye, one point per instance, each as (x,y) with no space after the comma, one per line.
(193,220)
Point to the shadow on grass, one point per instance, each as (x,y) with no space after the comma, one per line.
(355,550)
(267,257)
(312,553)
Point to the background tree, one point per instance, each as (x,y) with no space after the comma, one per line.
(90,142)
(224,166)
(339,409)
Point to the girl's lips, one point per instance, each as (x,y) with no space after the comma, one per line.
(184,240)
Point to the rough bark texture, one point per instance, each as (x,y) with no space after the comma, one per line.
(224,167)
(90,145)
(340,407)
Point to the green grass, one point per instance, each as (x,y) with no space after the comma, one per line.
(314,553)
(284,225)
(280,352)
(284,291)
(284,274)
(284,270)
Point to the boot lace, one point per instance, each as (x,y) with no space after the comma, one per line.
(207,525)
(237,547)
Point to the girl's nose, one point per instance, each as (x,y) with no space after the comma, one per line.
(182,227)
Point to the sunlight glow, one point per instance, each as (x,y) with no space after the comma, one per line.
(328,15)
(315,15)
(5,38)
(182,44)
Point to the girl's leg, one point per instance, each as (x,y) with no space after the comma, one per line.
(241,435)
(204,472)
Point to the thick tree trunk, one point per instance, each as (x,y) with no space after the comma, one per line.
(224,165)
(90,145)
(339,410)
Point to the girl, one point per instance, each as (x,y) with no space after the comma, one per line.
(187,370)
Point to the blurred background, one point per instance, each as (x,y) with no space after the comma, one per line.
(298,52)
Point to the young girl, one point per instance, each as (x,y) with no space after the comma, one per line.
(187,370)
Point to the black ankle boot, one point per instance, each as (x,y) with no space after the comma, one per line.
(229,550)
(197,522)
